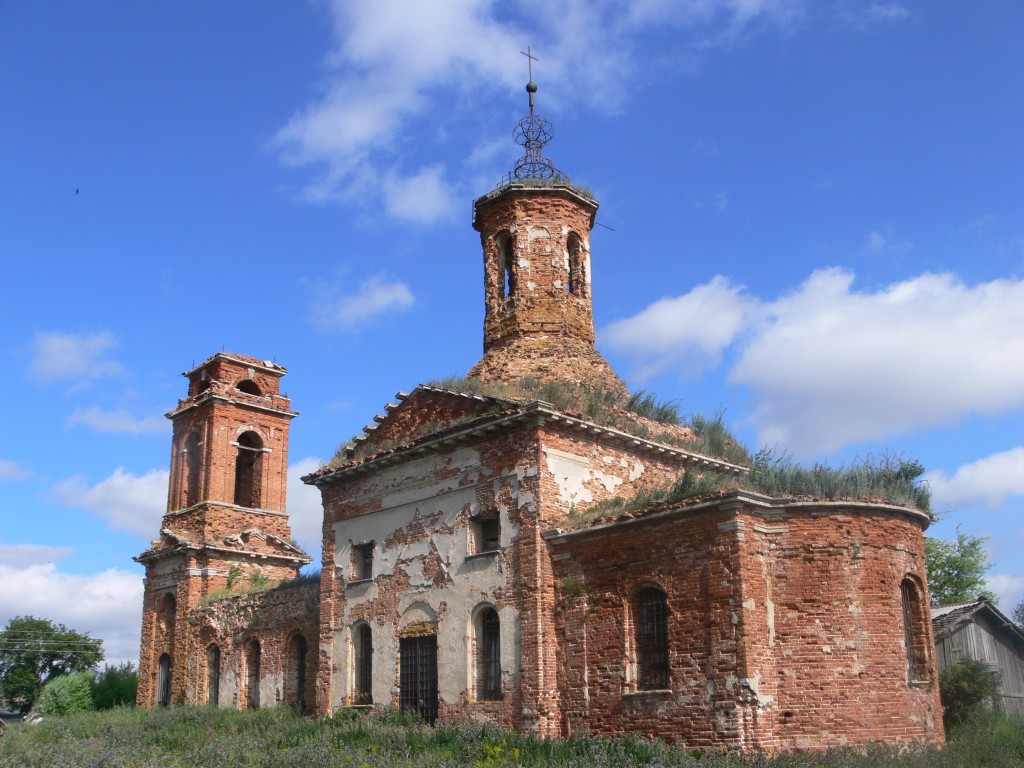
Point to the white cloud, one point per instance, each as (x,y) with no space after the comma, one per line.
(13,470)
(887,12)
(119,421)
(401,70)
(1009,589)
(22,555)
(422,198)
(130,503)
(107,605)
(335,309)
(689,331)
(987,481)
(79,358)
(829,366)
(883,242)
(387,56)
(305,509)
(729,16)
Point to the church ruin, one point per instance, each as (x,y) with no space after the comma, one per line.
(466,574)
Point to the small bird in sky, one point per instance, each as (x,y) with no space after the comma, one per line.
(76,191)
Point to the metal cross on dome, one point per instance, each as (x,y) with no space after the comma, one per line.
(532,133)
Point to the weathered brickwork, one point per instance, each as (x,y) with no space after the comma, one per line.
(225,513)
(282,623)
(429,573)
(538,310)
(466,574)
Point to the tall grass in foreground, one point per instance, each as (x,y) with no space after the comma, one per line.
(218,738)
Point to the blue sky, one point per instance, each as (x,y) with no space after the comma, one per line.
(811,219)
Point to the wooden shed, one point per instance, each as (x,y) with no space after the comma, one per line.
(978,630)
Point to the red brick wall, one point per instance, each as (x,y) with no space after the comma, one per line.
(784,631)
(188,564)
(219,424)
(540,329)
(272,618)
(832,656)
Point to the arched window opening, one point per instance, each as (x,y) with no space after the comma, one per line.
(213,675)
(651,626)
(506,264)
(295,682)
(248,386)
(577,283)
(249,470)
(163,683)
(193,465)
(252,674)
(362,651)
(915,636)
(488,655)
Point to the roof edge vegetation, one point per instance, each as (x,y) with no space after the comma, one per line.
(641,415)
(879,478)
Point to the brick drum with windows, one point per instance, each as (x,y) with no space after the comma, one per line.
(466,577)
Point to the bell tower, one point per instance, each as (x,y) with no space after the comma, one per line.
(226,516)
(535,232)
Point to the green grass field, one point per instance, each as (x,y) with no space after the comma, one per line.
(219,738)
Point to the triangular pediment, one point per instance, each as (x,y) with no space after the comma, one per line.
(426,411)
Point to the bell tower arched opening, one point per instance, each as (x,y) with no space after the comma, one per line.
(249,470)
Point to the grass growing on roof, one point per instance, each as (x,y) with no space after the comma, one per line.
(885,478)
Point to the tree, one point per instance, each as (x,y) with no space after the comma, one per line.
(1018,614)
(115,686)
(965,686)
(956,569)
(67,694)
(34,651)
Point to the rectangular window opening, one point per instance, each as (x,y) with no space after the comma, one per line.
(486,534)
(362,561)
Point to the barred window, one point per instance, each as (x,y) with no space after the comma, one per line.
(651,639)
(488,655)
(249,470)
(362,648)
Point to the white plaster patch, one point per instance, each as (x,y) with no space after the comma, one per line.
(414,570)
(610,482)
(571,473)
(538,233)
(754,684)
(636,472)
(417,480)
(531,285)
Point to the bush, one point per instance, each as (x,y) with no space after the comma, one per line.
(115,687)
(964,688)
(67,694)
